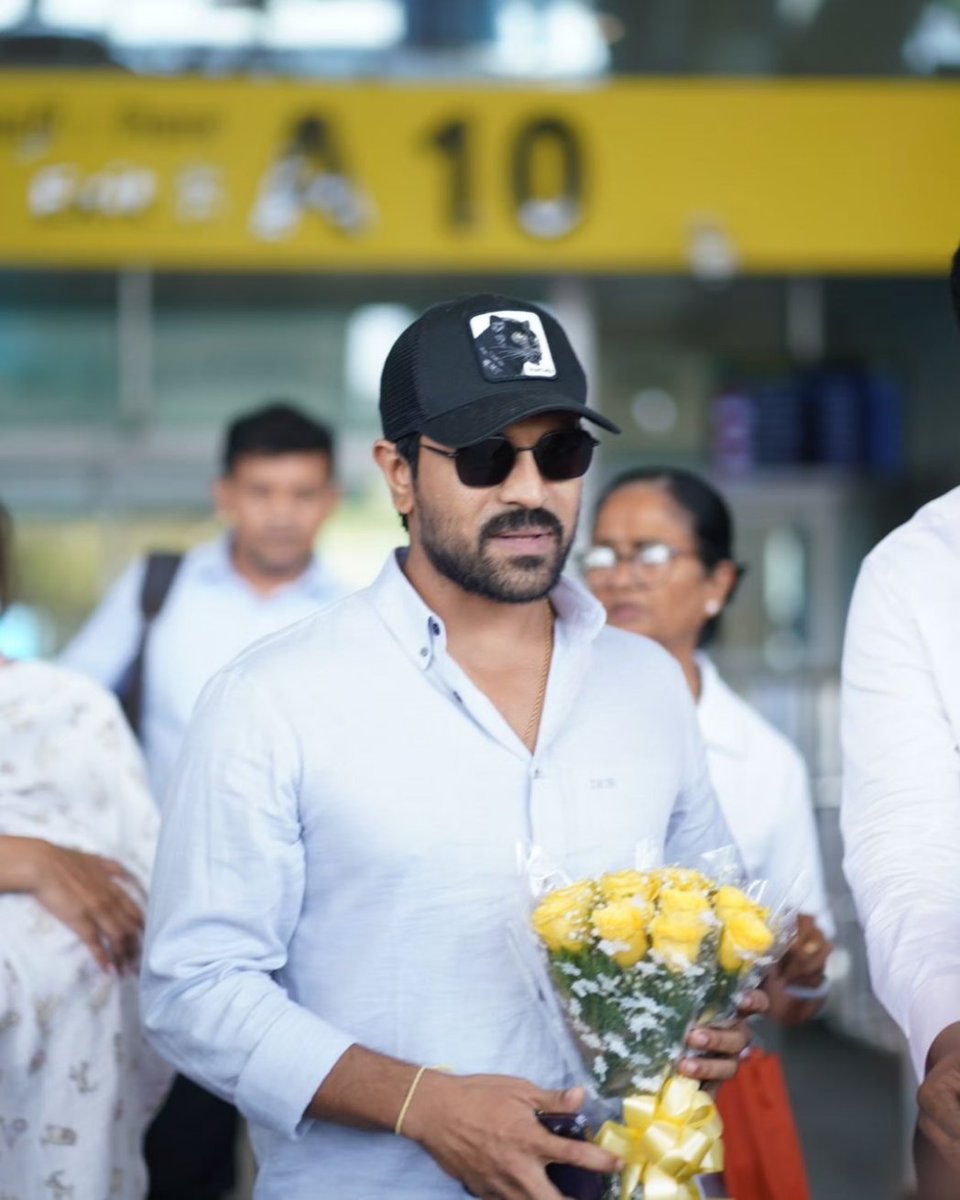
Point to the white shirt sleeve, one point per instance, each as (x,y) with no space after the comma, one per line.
(901,811)
(227,891)
(104,648)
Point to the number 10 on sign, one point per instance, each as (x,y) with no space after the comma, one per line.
(542,173)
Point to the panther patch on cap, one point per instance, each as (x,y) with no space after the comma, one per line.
(512,345)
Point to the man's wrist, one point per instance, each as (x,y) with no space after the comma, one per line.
(368,1090)
(408,1100)
(418,1121)
(808,991)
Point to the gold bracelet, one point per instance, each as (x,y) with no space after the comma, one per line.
(406,1104)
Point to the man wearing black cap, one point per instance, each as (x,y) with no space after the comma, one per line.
(337,869)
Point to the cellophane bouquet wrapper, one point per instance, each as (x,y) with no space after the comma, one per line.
(634,959)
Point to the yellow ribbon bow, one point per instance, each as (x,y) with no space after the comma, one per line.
(667,1138)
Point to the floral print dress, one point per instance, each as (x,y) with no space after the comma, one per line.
(78,1083)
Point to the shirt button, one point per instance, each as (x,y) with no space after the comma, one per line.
(434,627)
(424,651)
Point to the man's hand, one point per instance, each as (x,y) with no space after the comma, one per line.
(806,960)
(719,1046)
(804,965)
(483,1130)
(937,1144)
(87,893)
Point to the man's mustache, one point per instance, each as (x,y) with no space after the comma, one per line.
(522,520)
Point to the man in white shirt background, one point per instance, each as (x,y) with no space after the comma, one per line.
(901,803)
(337,870)
(276,491)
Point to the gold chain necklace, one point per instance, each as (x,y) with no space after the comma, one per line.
(530,733)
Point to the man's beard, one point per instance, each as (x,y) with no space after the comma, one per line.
(518,580)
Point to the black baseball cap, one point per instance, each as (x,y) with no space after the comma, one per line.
(467,368)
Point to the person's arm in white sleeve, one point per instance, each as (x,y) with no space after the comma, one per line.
(226,895)
(106,645)
(901,812)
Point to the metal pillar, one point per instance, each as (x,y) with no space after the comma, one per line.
(135,350)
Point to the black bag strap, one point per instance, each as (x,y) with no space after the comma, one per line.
(158,577)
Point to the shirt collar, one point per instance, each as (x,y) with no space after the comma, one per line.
(213,560)
(421,631)
(721,721)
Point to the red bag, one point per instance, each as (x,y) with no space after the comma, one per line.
(764,1158)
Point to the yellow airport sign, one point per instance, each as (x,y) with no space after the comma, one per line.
(718,176)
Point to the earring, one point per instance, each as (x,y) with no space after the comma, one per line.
(712,607)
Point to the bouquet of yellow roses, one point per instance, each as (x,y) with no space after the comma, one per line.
(636,958)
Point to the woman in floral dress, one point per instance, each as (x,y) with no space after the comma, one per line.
(78,1083)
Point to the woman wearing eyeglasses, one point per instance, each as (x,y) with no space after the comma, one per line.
(662,564)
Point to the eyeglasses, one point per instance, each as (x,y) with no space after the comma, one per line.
(560,454)
(646,557)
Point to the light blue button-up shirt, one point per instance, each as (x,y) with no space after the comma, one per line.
(210,615)
(338,863)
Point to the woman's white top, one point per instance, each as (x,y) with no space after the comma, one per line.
(764,791)
(78,1081)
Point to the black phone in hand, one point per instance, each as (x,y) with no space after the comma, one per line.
(573,1182)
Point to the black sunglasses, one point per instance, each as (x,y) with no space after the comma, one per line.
(561,454)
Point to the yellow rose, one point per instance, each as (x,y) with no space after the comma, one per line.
(729,900)
(678,900)
(684,878)
(621,885)
(676,937)
(562,919)
(731,897)
(624,923)
(746,936)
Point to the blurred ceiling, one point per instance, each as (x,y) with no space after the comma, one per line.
(499,38)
